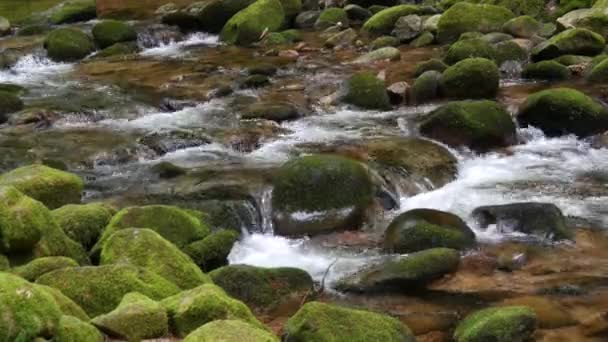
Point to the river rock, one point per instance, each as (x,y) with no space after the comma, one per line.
(427,87)
(83,223)
(522,27)
(357,13)
(365,90)
(471,78)
(403,274)
(307,19)
(68,44)
(263,289)
(480,125)
(212,252)
(73,11)
(384,21)
(431,64)
(542,219)
(275,111)
(421,229)
(593,18)
(37,267)
(247,25)
(397,92)
(424,39)
(467,17)
(110,32)
(570,42)
(342,38)
(72,329)
(230,330)
(99,289)
(137,317)
(407,27)
(5,26)
(469,48)
(52,187)
(431,23)
(385,53)
(503,324)
(562,111)
(383,41)
(213,15)
(304,199)
(546,70)
(191,309)
(9,103)
(511,50)
(163,142)
(599,72)
(339,324)
(330,17)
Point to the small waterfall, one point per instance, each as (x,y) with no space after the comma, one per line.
(264,200)
(511,69)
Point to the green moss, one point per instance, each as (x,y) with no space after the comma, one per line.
(146,249)
(576,41)
(71,329)
(481,125)
(384,41)
(546,70)
(66,305)
(426,87)
(247,25)
(178,226)
(470,35)
(471,78)
(566,6)
(382,54)
(510,51)
(320,322)
(110,32)
(465,17)
(291,8)
(136,318)
(599,73)
(561,111)
(412,272)
(27,311)
(73,11)
(32,30)
(292,35)
(230,331)
(431,64)
(509,323)
(216,13)
(426,38)
(263,288)
(568,60)
(18,11)
(523,27)
(52,187)
(274,38)
(212,251)
(384,21)
(191,309)
(367,91)
(469,48)
(40,266)
(330,17)
(9,103)
(99,289)
(83,223)
(5,264)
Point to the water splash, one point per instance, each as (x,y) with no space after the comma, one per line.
(35,70)
(176,49)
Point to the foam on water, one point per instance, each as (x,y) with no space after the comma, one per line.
(175,49)
(32,70)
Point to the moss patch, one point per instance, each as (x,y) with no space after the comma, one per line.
(83,222)
(212,251)
(367,91)
(110,32)
(40,266)
(514,323)
(466,17)
(384,21)
(471,78)
(71,329)
(248,24)
(230,331)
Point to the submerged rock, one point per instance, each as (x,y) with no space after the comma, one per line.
(230,331)
(421,229)
(562,111)
(320,193)
(542,219)
(317,321)
(480,125)
(403,274)
(110,32)
(163,142)
(467,17)
(367,91)
(503,324)
(263,288)
(68,44)
(275,111)
(471,78)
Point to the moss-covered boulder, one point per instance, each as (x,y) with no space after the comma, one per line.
(469,48)
(247,25)
(180,227)
(317,322)
(431,64)
(215,14)
(275,111)
(230,331)
(562,111)
(52,187)
(191,309)
(365,90)
(147,249)
(471,78)
(546,70)
(263,288)
(74,10)
(68,44)
(110,32)
(27,310)
(37,267)
(136,318)
(330,17)
(480,125)
(9,103)
(403,274)
(384,21)
(568,60)
(599,73)
(71,329)
(467,17)
(83,223)
(305,200)
(117,49)
(212,252)
(504,324)
(510,50)
(99,289)
(421,229)
(67,306)
(522,27)
(291,9)
(570,42)
(427,87)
